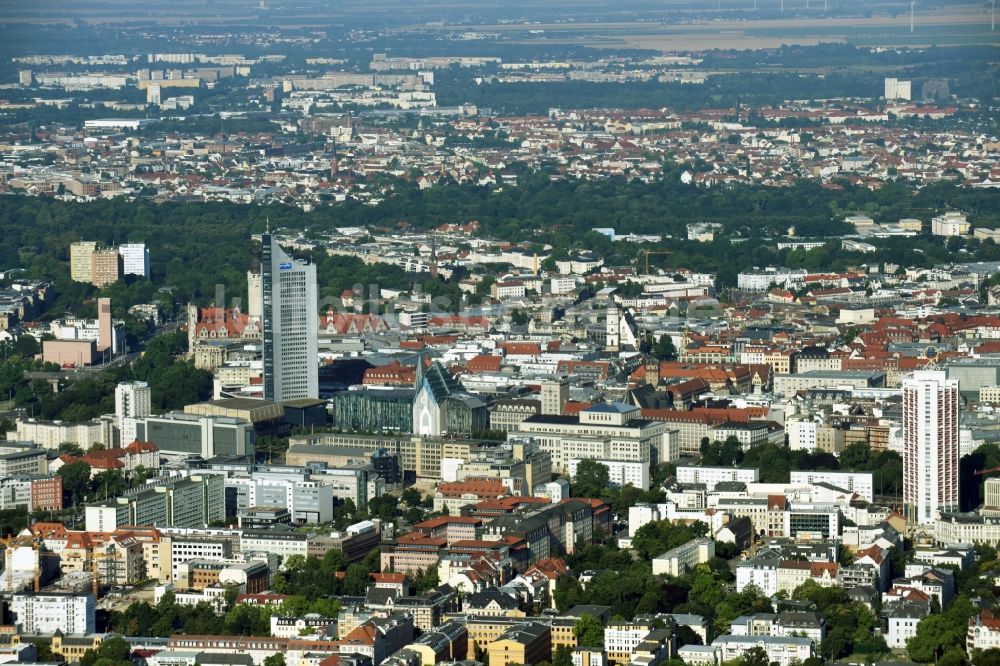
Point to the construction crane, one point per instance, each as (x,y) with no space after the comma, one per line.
(646,254)
(12,542)
(980,472)
(39,554)
(96,555)
(8,542)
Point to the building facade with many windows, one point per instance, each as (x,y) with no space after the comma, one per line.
(49,613)
(291,325)
(930,445)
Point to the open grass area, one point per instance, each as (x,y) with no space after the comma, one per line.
(964,24)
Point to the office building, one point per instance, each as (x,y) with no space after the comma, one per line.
(283,543)
(26,462)
(857,482)
(790,384)
(184,547)
(135,259)
(711,476)
(306,501)
(15,493)
(49,613)
(358,483)
(930,445)
(356,542)
(290,325)
(191,434)
(80,267)
(612,434)
(191,502)
(132,401)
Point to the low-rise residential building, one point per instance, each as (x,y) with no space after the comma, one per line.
(902,620)
(677,561)
(781,650)
(984,632)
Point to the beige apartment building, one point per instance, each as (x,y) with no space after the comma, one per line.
(80,264)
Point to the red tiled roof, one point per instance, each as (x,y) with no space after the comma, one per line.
(550,567)
(817,569)
(521,348)
(484,363)
(447,520)
(480,487)
(987,619)
(363,634)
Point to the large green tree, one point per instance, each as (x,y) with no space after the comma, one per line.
(940,633)
(591,479)
(656,537)
(75,480)
(589,631)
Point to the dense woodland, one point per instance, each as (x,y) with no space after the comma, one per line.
(195,246)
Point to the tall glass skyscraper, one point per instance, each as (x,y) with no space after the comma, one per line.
(290,325)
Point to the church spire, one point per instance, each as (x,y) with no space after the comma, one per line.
(419,377)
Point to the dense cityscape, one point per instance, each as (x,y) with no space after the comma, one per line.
(378,334)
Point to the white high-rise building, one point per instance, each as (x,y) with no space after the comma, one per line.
(291,325)
(135,259)
(133,400)
(49,613)
(895,89)
(930,445)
